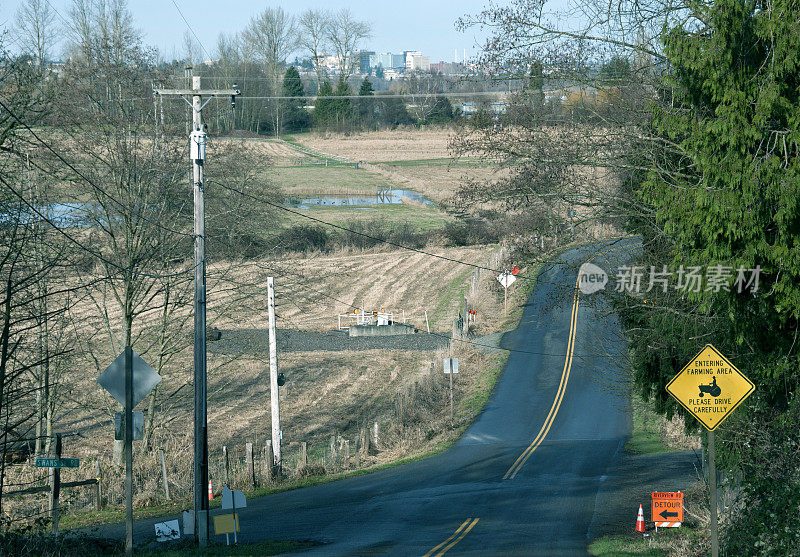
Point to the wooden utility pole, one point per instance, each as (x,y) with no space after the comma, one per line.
(275,410)
(197,155)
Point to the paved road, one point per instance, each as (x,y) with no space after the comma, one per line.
(526,477)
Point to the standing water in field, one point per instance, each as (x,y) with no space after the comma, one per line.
(384,198)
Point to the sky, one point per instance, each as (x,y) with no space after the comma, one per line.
(424,25)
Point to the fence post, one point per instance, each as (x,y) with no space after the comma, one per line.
(365,442)
(98,490)
(303,455)
(333,450)
(226,465)
(347,453)
(251,470)
(375,436)
(164,473)
(269,460)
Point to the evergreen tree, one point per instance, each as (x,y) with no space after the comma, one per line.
(366,88)
(296,117)
(441,112)
(365,108)
(343,111)
(324,106)
(724,191)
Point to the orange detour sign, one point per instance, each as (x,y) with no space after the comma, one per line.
(710,387)
(667,509)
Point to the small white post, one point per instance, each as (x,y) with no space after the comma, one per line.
(426,322)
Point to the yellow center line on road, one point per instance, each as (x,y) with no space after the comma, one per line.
(562,387)
(457,536)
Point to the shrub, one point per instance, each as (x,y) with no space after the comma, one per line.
(303,238)
(470,232)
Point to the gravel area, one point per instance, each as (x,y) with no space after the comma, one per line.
(256,341)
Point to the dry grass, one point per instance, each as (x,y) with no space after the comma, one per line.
(385,145)
(273,151)
(439,183)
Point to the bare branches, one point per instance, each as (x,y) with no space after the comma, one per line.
(345,34)
(314,30)
(36,29)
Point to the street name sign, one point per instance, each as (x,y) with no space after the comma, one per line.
(52,462)
(144,379)
(667,509)
(710,387)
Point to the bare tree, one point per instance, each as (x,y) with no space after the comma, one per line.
(345,34)
(102,31)
(36,29)
(314,28)
(191,49)
(271,36)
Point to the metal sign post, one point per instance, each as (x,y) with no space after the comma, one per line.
(128,379)
(128,451)
(451,368)
(712,480)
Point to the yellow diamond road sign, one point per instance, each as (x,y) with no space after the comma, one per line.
(710,387)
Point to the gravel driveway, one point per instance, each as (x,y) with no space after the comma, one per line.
(256,341)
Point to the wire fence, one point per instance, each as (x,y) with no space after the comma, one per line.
(164,475)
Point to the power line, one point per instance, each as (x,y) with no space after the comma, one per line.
(208,56)
(363,234)
(57,12)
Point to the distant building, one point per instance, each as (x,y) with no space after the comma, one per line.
(365,58)
(387,61)
(416,62)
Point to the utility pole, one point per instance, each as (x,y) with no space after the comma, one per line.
(197,155)
(275,409)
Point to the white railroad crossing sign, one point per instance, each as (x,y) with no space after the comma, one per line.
(144,379)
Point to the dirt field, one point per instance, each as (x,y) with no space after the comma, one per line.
(312,291)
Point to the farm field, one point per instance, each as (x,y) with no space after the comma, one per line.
(418,160)
(328,393)
(385,145)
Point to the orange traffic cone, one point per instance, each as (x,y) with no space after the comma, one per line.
(640,520)
(211,494)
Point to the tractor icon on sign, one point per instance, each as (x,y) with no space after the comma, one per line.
(712,388)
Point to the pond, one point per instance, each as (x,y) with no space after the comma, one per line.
(60,214)
(358,201)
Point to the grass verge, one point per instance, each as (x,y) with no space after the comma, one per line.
(646,434)
(667,541)
(271,547)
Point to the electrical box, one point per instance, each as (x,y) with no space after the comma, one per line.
(197,145)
